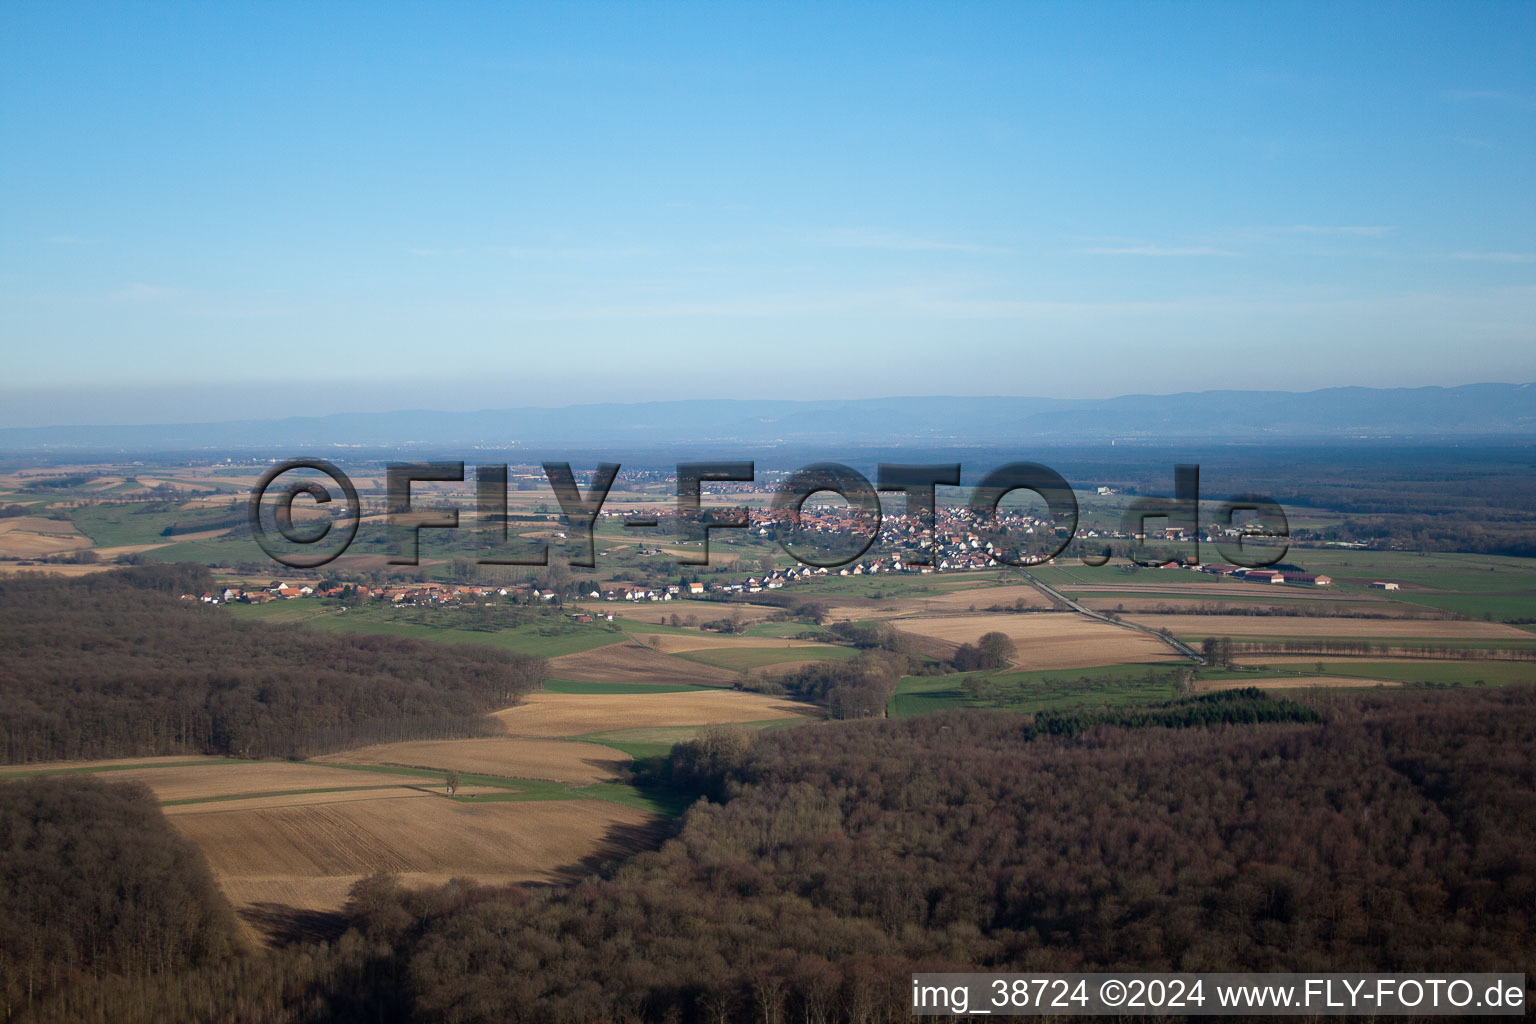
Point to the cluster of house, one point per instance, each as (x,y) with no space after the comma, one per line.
(410,594)
(958,541)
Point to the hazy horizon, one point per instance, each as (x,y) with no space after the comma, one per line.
(213,210)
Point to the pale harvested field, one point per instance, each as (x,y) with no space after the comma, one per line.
(36,537)
(949,602)
(662,611)
(60,570)
(218,780)
(780,668)
(1254,625)
(41,524)
(1292,683)
(575,714)
(981,597)
(307,856)
(872,610)
(1046,640)
(672,643)
(522,758)
(631,662)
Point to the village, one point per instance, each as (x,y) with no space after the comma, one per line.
(959,544)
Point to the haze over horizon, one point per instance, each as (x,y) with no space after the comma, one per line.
(1494,411)
(236,211)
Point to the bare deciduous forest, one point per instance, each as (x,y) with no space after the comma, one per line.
(94,883)
(114,665)
(1394,835)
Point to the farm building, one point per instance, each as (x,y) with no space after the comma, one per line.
(1309,579)
(1380,585)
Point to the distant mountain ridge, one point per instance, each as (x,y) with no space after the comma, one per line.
(1473,410)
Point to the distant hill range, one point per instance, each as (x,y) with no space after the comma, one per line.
(1474,410)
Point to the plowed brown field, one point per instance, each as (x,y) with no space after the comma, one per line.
(522,758)
(1046,640)
(576,714)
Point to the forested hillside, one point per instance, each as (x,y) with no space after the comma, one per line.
(114,665)
(1397,835)
(94,881)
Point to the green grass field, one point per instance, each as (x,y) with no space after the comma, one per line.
(119,523)
(1398,643)
(657,741)
(1510,606)
(577,686)
(1500,588)
(549,641)
(1461,673)
(787,630)
(217,551)
(1057,690)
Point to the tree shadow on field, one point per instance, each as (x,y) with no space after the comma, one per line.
(616,768)
(282,925)
(619,842)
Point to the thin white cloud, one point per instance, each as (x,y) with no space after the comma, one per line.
(1495,257)
(1155,250)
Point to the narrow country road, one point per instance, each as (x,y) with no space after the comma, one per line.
(1049,591)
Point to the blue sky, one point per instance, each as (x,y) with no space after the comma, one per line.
(227,210)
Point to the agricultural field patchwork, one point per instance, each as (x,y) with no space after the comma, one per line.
(551,714)
(1045,640)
